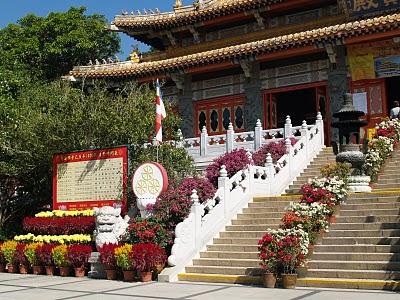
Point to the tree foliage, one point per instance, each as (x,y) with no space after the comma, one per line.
(50,46)
(55,117)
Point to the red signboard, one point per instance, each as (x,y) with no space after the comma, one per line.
(93,178)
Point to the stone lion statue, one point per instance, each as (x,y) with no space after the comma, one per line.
(110,226)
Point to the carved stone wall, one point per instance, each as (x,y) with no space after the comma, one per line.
(186,107)
(337,85)
(253,106)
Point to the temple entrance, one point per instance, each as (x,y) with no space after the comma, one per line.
(392,91)
(300,103)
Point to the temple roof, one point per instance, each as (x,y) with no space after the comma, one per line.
(189,14)
(226,54)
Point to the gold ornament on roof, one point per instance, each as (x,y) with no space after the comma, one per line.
(135,56)
(178,4)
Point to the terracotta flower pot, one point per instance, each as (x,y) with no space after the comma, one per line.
(129,276)
(64,271)
(111,274)
(145,276)
(158,268)
(37,270)
(23,269)
(332,219)
(80,272)
(269,280)
(50,270)
(12,268)
(289,281)
(2,268)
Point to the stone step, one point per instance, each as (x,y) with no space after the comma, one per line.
(241,234)
(224,270)
(354,256)
(264,221)
(368,212)
(390,179)
(388,174)
(236,241)
(279,209)
(230,247)
(259,215)
(339,283)
(352,274)
(368,219)
(373,200)
(367,206)
(360,241)
(354,265)
(364,233)
(375,194)
(284,198)
(230,255)
(226,262)
(262,227)
(363,226)
(358,248)
(386,186)
(278,204)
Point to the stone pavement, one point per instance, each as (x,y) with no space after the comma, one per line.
(31,287)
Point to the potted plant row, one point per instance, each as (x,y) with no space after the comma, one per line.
(144,258)
(37,256)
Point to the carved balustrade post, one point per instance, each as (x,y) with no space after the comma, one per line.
(320,124)
(288,128)
(257,135)
(179,142)
(230,141)
(197,210)
(270,173)
(304,133)
(223,183)
(289,151)
(203,142)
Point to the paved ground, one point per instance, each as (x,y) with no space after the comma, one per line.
(30,287)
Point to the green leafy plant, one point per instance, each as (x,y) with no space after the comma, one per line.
(122,257)
(9,249)
(59,255)
(341,170)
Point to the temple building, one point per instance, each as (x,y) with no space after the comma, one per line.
(236,61)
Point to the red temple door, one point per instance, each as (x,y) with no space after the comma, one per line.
(376,106)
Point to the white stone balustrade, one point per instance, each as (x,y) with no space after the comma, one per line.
(207,219)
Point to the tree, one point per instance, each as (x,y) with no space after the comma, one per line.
(54,117)
(51,46)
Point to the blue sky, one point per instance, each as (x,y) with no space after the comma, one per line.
(12,10)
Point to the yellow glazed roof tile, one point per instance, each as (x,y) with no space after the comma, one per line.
(310,37)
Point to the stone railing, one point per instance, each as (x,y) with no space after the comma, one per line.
(207,219)
(216,145)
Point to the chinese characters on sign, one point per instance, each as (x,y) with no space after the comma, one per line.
(357,8)
(90,178)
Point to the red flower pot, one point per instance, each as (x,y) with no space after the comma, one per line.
(80,272)
(129,276)
(145,276)
(111,274)
(23,269)
(37,270)
(64,271)
(12,268)
(50,270)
